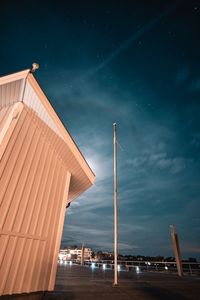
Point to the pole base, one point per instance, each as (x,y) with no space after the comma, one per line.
(115,285)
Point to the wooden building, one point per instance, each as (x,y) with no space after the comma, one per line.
(41,171)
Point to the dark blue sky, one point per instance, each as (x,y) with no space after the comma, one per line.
(135,63)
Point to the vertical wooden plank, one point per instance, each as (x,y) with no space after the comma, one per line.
(53,224)
(11,183)
(13,272)
(10,140)
(3,242)
(47,195)
(23,266)
(53,200)
(6,263)
(36,285)
(59,231)
(16,197)
(4,113)
(26,286)
(47,226)
(34,193)
(28,187)
(41,193)
(9,176)
(15,209)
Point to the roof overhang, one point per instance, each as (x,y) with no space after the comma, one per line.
(23,87)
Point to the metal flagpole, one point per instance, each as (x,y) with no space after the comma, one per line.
(115,205)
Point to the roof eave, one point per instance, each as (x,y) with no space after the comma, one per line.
(66,136)
(27,75)
(15,76)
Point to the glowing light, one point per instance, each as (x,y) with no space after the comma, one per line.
(137,270)
(104,266)
(93,265)
(118,268)
(70,262)
(166,268)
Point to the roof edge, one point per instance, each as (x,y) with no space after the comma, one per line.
(14,76)
(66,135)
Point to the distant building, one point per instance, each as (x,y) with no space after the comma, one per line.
(41,172)
(88,253)
(100,255)
(69,253)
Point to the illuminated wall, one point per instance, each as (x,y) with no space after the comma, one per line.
(41,170)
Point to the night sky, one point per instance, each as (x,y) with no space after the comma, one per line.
(136,63)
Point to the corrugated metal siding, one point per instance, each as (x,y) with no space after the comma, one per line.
(21,90)
(79,182)
(22,87)
(33,195)
(32,100)
(11,92)
(4,112)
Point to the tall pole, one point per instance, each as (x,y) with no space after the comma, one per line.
(115,205)
(177,253)
(82,255)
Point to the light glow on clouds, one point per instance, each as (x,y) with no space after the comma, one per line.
(148,167)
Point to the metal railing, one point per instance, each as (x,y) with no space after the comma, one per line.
(189,268)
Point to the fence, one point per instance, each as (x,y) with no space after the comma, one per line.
(189,268)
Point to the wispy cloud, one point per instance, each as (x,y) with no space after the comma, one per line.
(154,171)
(161,161)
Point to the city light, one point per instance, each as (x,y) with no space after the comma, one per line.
(137,270)
(118,268)
(93,265)
(166,268)
(104,266)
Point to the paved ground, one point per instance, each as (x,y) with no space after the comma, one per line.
(80,283)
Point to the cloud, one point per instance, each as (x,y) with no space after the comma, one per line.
(190,248)
(161,161)
(152,184)
(176,165)
(195,141)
